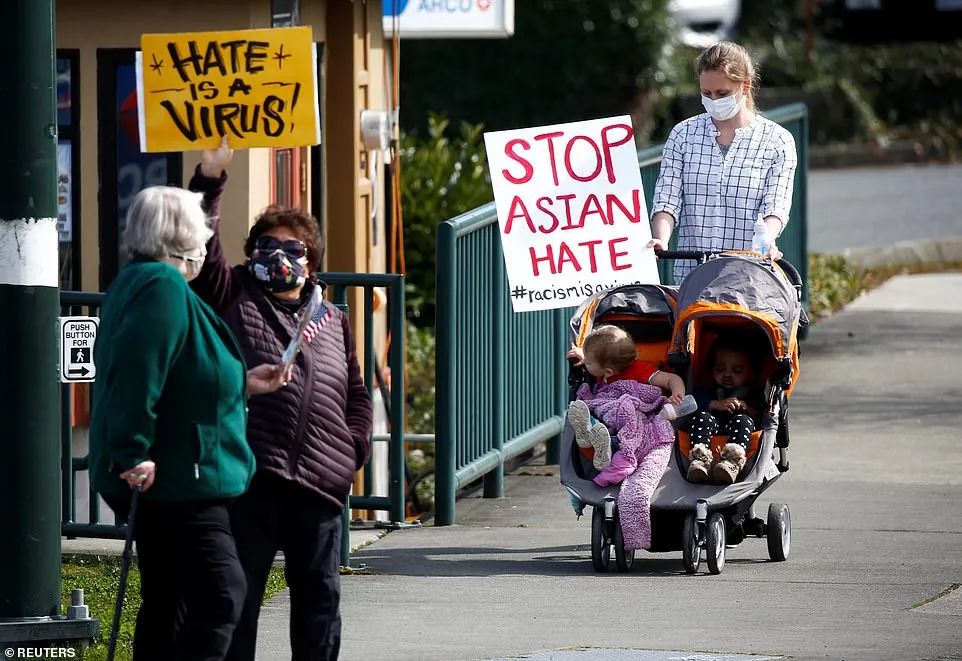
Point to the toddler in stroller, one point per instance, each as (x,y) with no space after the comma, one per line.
(609,356)
(730,407)
(621,337)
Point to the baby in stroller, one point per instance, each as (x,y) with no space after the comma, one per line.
(626,397)
(730,407)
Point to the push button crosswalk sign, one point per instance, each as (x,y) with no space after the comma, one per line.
(77,338)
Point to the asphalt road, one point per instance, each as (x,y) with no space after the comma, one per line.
(860,207)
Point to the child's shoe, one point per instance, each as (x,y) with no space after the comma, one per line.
(600,440)
(727,468)
(579,417)
(700,461)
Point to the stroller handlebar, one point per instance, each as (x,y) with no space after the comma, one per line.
(701,257)
(697,255)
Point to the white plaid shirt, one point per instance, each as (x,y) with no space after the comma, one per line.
(716,199)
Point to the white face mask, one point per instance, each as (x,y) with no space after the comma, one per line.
(723,108)
(192,263)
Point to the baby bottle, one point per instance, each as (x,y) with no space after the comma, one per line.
(672,411)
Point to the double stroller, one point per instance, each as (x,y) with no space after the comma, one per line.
(740,293)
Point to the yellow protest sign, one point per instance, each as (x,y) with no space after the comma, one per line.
(257,87)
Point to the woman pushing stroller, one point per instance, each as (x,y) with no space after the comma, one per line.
(627,396)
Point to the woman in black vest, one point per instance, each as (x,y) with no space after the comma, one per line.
(309,437)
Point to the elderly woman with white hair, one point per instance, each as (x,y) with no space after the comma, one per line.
(169,417)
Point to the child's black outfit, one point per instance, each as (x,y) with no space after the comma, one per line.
(737,426)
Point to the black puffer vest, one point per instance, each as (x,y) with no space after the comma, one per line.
(315,431)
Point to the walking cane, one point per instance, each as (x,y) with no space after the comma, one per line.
(124,568)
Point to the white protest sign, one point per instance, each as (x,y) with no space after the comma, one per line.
(572,211)
(77,338)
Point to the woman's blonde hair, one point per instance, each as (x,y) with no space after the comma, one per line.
(734,62)
(611,347)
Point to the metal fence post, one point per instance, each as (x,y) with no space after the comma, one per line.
(494,480)
(802,182)
(560,394)
(397,321)
(446,374)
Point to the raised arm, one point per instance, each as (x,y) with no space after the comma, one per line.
(215,283)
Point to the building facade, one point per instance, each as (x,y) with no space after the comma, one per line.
(101,167)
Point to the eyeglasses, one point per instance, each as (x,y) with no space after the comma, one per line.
(293,247)
(191,259)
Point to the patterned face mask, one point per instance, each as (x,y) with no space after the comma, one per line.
(278,265)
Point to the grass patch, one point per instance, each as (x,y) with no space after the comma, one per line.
(834,281)
(99,577)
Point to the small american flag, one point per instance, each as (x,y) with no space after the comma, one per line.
(317,322)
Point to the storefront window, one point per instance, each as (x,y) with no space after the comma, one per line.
(124,170)
(285,13)
(67,168)
(135,170)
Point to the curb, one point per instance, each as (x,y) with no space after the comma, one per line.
(907,253)
(97,547)
(870,154)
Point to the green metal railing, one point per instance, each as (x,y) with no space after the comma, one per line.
(500,384)
(88,304)
(501,379)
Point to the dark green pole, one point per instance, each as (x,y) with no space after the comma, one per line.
(494,479)
(29,415)
(445,449)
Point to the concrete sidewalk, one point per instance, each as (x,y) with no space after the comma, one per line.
(875,487)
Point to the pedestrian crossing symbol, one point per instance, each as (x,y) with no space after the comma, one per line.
(77,338)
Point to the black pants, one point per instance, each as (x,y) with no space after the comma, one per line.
(278,514)
(738,428)
(191,582)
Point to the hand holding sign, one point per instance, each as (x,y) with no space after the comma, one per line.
(308,313)
(266,378)
(213,162)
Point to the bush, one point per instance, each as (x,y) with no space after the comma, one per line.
(421,380)
(441,177)
(874,92)
(832,282)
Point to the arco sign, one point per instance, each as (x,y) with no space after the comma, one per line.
(449,19)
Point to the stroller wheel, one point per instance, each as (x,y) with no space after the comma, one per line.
(779,531)
(715,543)
(690,549)
(623,558)
(600,544)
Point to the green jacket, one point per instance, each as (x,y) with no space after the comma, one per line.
(170,387)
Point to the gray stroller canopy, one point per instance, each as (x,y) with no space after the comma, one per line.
(746,286)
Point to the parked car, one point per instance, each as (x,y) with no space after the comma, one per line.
(703,22)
